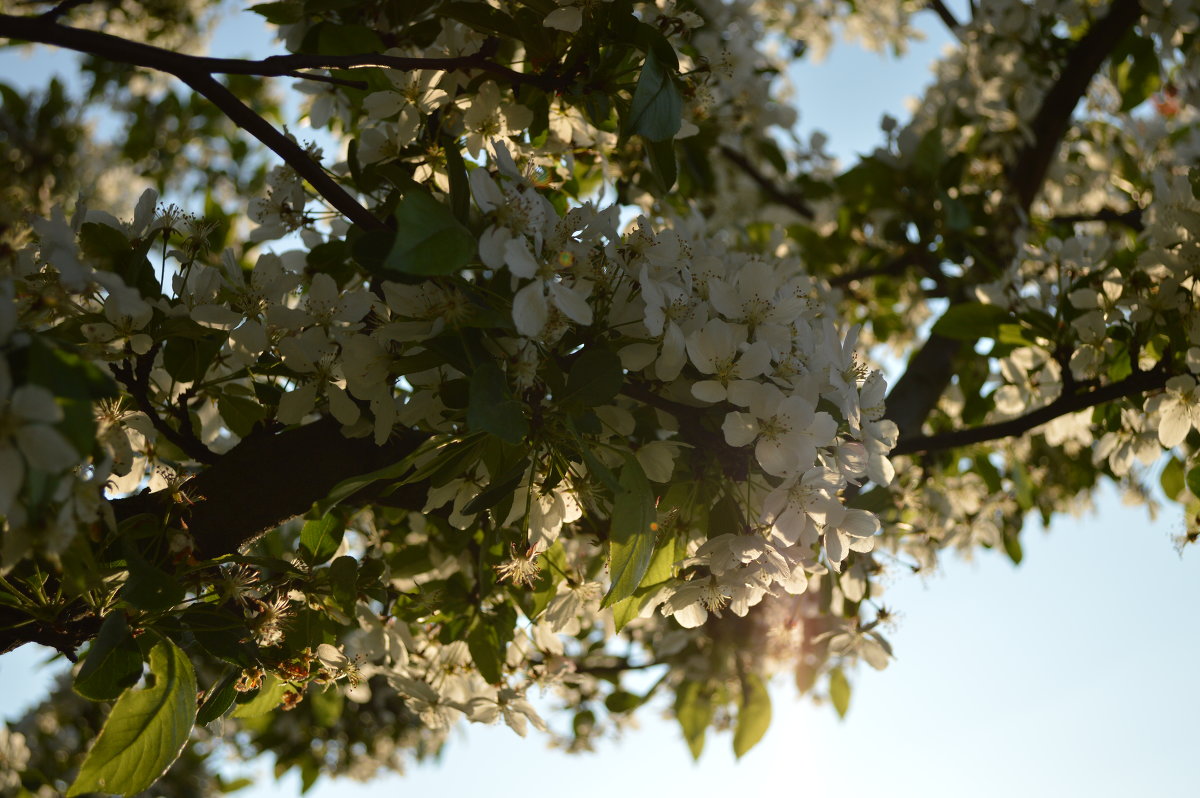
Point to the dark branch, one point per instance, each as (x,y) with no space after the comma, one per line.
(268,478)
(123,51)
(947,17)
(1137,383)
(137,381)
(774,192)
(1028,170)
(197,73)
(1131,219)
(917,391)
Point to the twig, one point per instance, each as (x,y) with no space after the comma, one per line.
(774,192)
(947,17)
(63,8)
(1131,219)
(1136,383)
(138,382)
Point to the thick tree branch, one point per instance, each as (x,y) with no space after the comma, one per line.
(945,15)
(267,479)
(773,192)
(1137,383)
(916,392)
(1028,169)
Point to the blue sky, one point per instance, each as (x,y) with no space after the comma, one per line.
(1070,675)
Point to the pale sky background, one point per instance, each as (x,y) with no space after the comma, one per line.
(1071,675)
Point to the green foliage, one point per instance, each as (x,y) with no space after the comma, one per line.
(632,532)
(146,729)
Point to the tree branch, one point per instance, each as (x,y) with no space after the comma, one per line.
(917,391)
(137,381)
(1137,383)
(284,473)
(196,72)
(1131,219)
(774,192)
(947,17)
(1028,169)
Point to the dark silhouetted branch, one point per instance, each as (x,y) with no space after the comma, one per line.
(1137,383)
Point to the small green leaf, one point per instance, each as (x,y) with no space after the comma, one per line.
(1012,547)
(663,163)
(656,112)
(429,239)
(500,487)
(1172,479)
(146,730)
(839,691)
(970,321)
(754,715)
(483,641)
(1139,75)
(269,696)
(632,532)
(240,414)
(113,663)
(660,570)
(1193,481)
(595,378)
(218,701)
(492,408)
(320,538)
(149,588)
(694,711)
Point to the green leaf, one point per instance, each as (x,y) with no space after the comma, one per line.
(631,533)
(146,730)
(429,239)
(970,321)
(320,538)
(595,378)
(149,588)
(220,633)
(1012,547)
(754,715)
(694,711)
(492,408)
(656,112)
(662,163)
(1193,480)
(113,663)
(1172,479)
(483,641)
(1139,75)
(499,488)
(218,701)
(660,570)
(240,414)
(269,696)
(839,691)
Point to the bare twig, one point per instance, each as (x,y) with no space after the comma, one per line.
(137,381)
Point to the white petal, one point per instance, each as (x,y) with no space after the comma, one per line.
(35,403)
(342,406)
(295,405)
(568,19)
(573,304)
(45,448)
(530,310)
